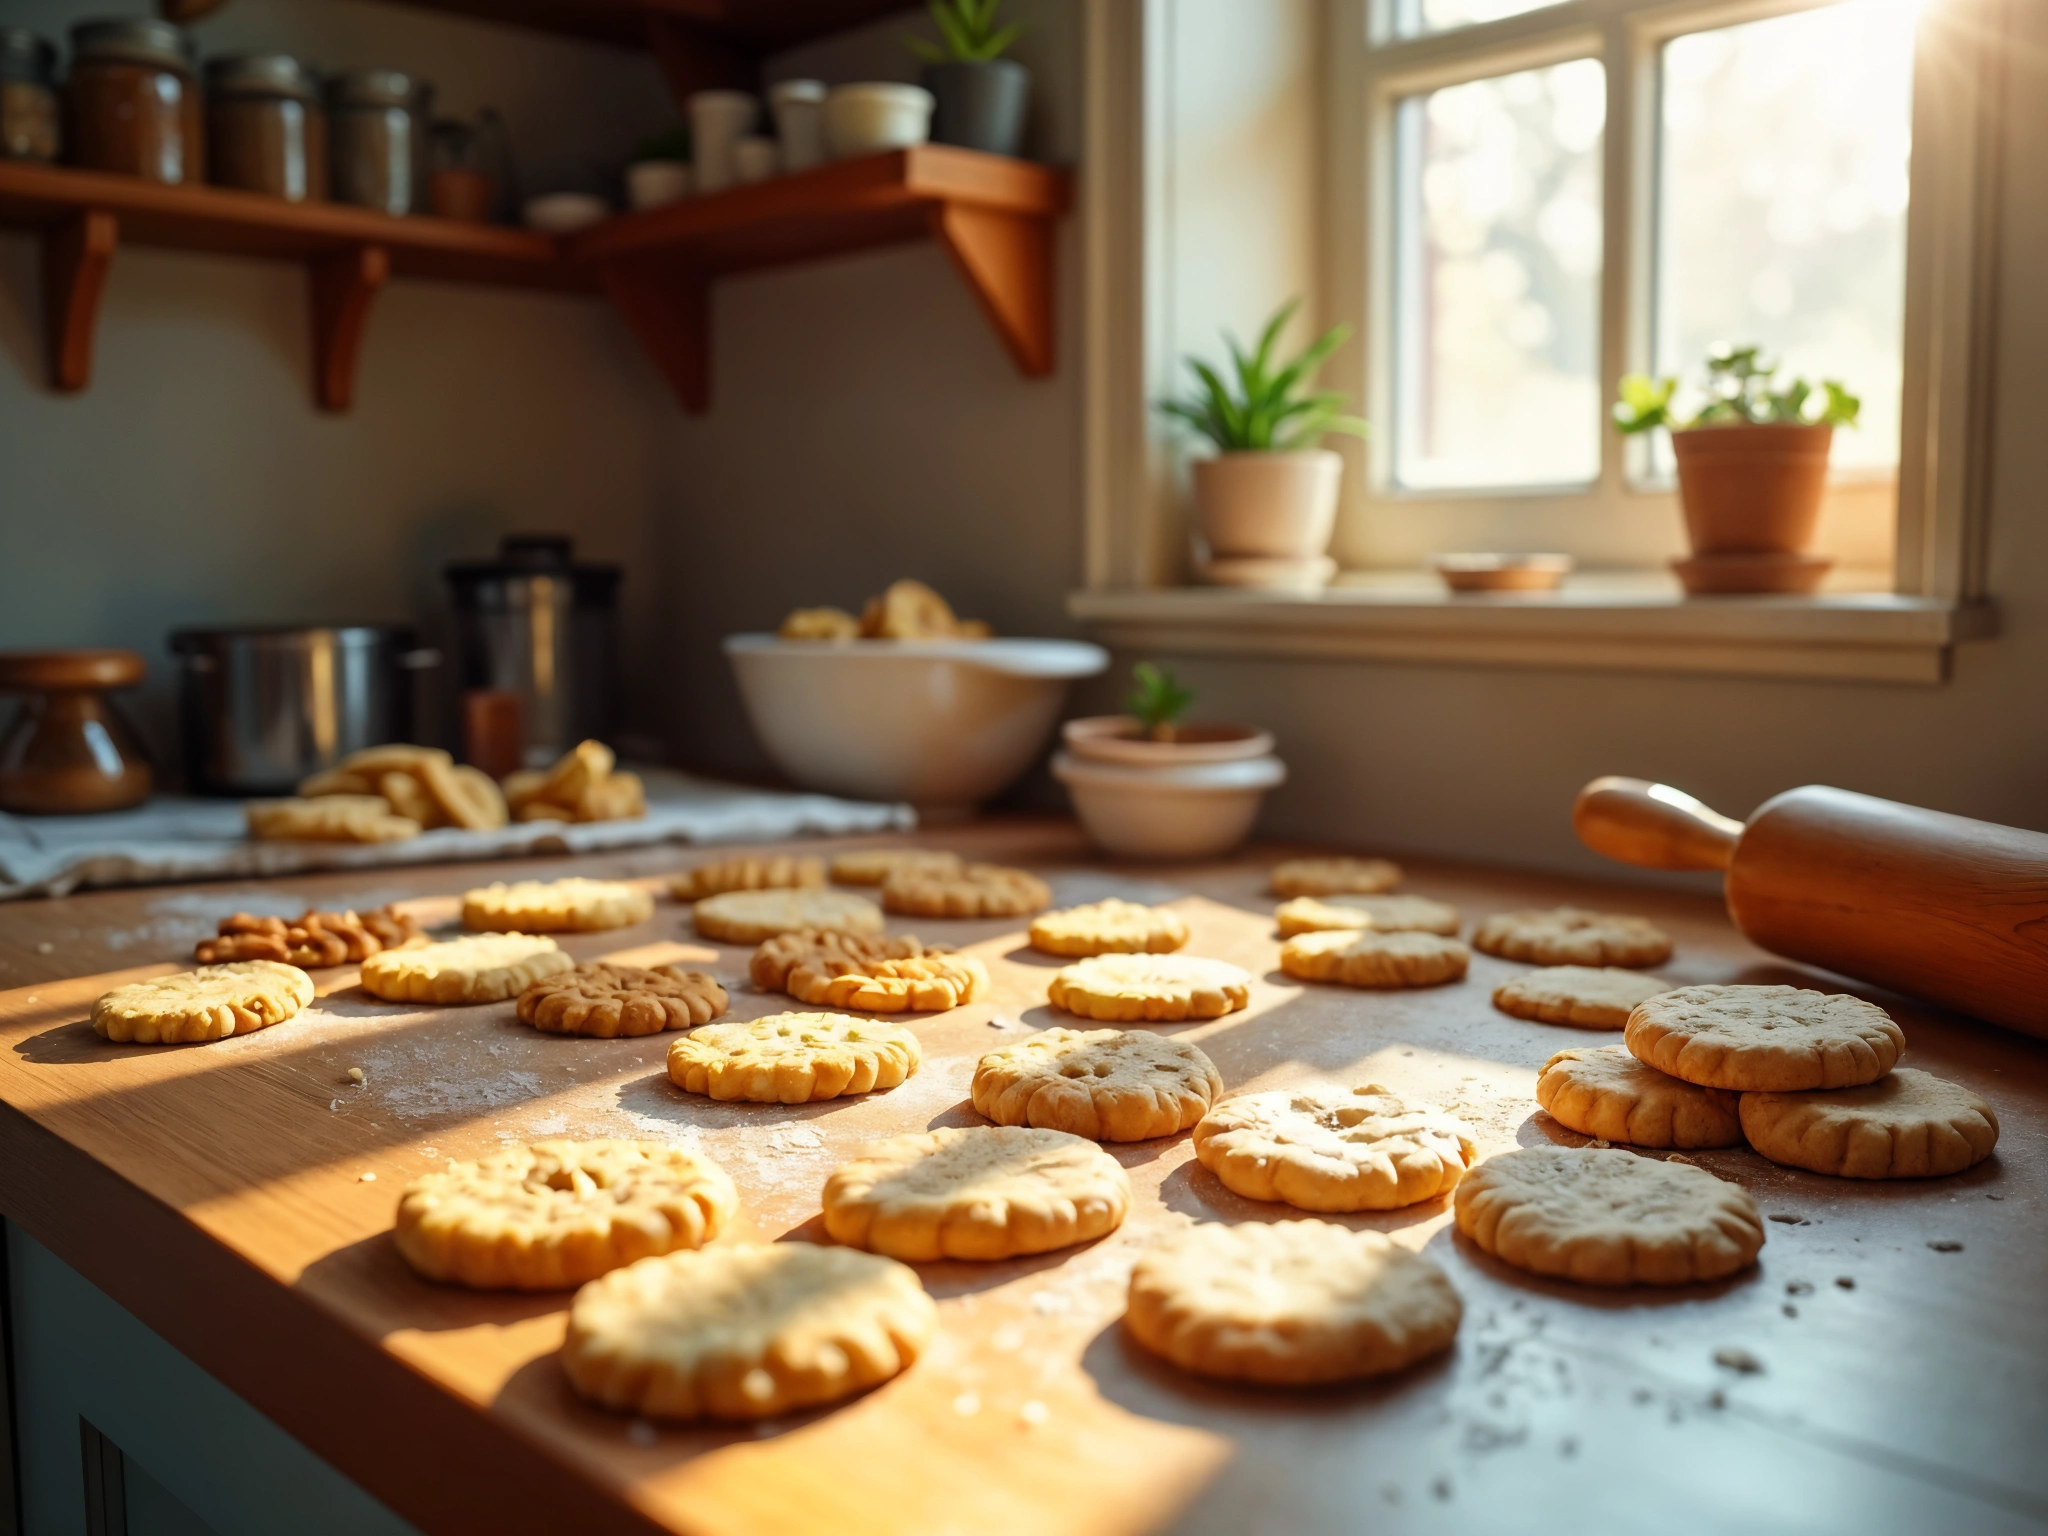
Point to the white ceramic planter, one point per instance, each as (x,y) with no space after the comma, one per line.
(718,121)
(654,183)
(1199,811)
(799,108)
(1274,505)
(1120,739)
(872,116)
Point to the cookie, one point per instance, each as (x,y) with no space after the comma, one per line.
(1366,1150)
(1155,988)
(819,624)
(1289,1303)
(873,866)
(1906,1125)
(1358,957)
(208,1004)
(830,950)
(973,890)
(328,819)
(574,905)
(482,968)
(794,1058)
(1592,997)
(876,974)
(748,917)
(1607,1094)
(910,610)
(611,1001)
(466,797)
(1608,1217)
(1765,1039)
(745,1330)
(1109,927)
(1335,877)
(315,940)
(581,786)
(1383,914)
(558,1213)
(1573,936)
(747,873)
(982,1192)
(1105,1084)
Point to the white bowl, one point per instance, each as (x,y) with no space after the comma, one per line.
(657,183)
(1199,811)
(563,213)
(943,724)
(867,118)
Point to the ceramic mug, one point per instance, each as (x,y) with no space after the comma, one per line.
(718,121)
(799,107)
(755,158)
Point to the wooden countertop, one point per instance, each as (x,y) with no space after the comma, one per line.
(220,1193)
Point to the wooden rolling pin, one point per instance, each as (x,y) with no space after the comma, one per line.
(1939,907)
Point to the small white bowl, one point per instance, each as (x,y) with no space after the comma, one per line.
(656,183)
(1197,812)
(563,213)
(873,116)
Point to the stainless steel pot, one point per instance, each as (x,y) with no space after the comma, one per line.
(265,707)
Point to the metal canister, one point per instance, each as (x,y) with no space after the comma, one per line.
(266,130)
(379,135)
(28,97)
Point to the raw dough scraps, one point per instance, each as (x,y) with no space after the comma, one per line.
(1607,1094)
(1765,1039)
(1109,927)
(1125,988)
(482,968)
(608,1001)
(1361,957)
(573,905)
(1592,997)
(1335,877)
(1906,1125)
(1572,936)
(1366,1150)
(974,890)
(748,917)
(748,873)
(1385,914)
(1105,1084)
(794,1058)
(207,1004)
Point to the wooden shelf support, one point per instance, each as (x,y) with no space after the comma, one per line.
(1007,261)
(667,305)
(77,251)
(341,288)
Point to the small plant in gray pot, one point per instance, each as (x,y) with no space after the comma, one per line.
(981,95)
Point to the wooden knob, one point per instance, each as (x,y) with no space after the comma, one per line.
(1653,825)
(68,671)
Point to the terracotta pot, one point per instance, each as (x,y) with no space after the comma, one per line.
(1121,739)
(1750,489)
(1272,504)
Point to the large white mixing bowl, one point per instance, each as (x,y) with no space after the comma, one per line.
(944,724)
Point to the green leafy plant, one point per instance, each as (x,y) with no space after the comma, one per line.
(1157,699)
(1272,407)
(674,144)
(970,32)
(1739,389)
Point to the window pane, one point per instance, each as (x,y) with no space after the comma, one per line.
(1497,273)
(1782,215)
(1414,17)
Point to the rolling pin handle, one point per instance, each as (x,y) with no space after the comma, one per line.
(1653,825)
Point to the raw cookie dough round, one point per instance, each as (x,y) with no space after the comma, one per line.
(1573,936)
(745,1330)
(874,866)
(748,917)
(747,873)
(974,890)
(574,905)
(1123,989)
(1335,877)
(1109,927)
(1592,997)
(1365,1150)
(607,1001)
(982,1192)
(558,1213)
(483,968)
(1105,1084)
(1289,1303)
(1358,957)
(1606,1093)
(1383,914)
(207,1004)
(794,1058)
(1906,1125)
(1608,1217)
(1765,1039)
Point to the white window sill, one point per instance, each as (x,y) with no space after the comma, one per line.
(1621,621)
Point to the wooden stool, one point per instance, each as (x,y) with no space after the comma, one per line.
(67,751)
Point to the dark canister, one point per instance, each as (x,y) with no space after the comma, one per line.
(378,131)
(28,97)
(132,104)
(266,129)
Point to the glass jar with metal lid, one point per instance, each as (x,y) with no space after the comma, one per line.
(131,104)
(379,135)
(28,96)
(266,131)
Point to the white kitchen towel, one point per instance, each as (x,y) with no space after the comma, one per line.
(171,839)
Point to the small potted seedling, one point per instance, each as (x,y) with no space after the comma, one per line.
(980,96)
(1752,468)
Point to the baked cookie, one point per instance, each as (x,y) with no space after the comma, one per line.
(482,968)
(574,905)
(1383,914)
(208,1004)
(830,950)
(881,973)
(794,1058)
(1906,1125)
(1607,1094)
(910,610)
(973,890)
(1592,997)
(1608,1217)
(1366,1150)
(1123,989)
(466,797)
(1289,1303)
(558,1213)
(1109,927)
(983,1192)
(1363,957)
(748,873)
(315,940)
(819,624)
(748,917)
(610,1001)
(1105,1084)
(1573,936)
(328,819)
(1335,877)
(745,1330)
(1765,1039)
(873,866)
(581,786)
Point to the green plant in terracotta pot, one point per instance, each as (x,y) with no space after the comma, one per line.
(1752,468)
(979,96)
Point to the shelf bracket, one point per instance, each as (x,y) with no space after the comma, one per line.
(1006,259)
(667,305)
(341,287)
(76,255)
